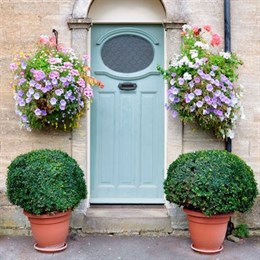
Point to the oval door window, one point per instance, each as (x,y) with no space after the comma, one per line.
(127,53)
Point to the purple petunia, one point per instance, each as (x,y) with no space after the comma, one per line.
(216,82)
(200,72)
(53,101)
(23,64)
(32,83)
(217,93)
(28,100)
(214,68)
(189,97)
(199,103)
(174,113)
(197,92)
(74,72)
(208,100)
(68,94)
(20,93)
(207,77)
(63,104)
(54,81)
(24,118)
(192,108)
(218,112)
(54,75)
(191,84)
(209,87)
(38,75)
(181,81)
(36,96)
(197,79)
(31,91)
(67,64)
(37,112)
(44,113)
(21,81)
(20,102)
(173,90)
(59,92)
(38,86)
(13,66)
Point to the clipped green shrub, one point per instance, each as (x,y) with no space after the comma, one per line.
(241,231)
(212,181)
(45,181)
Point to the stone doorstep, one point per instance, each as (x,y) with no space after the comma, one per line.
(127,220)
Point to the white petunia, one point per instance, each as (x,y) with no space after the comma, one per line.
(172,82)
(202,45)
(186,27)
(226,55)
(230,134)
(194,54)
(187,76)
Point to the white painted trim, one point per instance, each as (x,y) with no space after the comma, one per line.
(165,116)
(130,22)
(88,128)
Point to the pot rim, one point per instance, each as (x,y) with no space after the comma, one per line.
(50,215)
(200,214)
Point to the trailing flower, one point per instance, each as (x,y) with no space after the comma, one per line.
(201,83)
(51,86)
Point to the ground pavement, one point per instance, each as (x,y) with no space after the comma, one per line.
(126,248)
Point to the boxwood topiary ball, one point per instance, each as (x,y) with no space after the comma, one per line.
(212,181)
(45,181)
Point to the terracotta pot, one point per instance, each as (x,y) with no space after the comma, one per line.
(207,233)
(50,231)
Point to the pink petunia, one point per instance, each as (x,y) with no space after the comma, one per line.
(44,39)
(52,41)
(60,47)
(196,30)
(215,40)
(207,27)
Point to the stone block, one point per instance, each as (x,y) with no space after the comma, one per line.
(127,220)
(15,232)
(77,219)
(12,218)
(178,217)
(251,218)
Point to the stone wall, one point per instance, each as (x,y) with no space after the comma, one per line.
(21,22)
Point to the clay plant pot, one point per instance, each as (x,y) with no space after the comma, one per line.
(50,231)
(207,233)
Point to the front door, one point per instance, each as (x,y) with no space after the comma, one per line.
(127,115)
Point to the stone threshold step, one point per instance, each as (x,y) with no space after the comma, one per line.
(127,219)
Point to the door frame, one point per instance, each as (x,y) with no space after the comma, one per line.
(165,114)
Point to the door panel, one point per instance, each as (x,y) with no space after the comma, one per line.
(127,126)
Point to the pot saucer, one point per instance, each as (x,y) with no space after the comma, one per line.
(50,249)
(207,251)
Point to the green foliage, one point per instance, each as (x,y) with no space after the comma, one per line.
(202,83)
(51,86)
(241,231)
(45,181)
(212,181)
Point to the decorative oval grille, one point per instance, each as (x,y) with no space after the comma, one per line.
(127,53)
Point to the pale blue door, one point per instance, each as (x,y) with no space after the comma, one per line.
(127,116)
